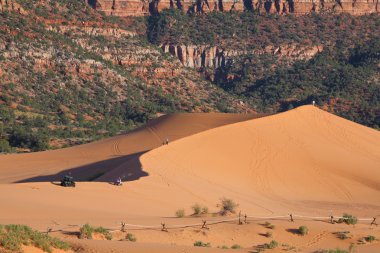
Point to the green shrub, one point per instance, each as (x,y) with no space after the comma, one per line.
(343,235)
(85,232)
(180,213)
(130,237)
(273,244)
(303,230)
(227,206)
(337,250)
(236,246)
(104,232)
(223,247)
(201,244)
(12,237)
(370,238)
(197,209)
(348,219)
(268,234)
(269,225)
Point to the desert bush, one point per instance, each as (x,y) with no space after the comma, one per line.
(348,219)
(337,250)
(268,234)
(130,237)
(273,244)
(223,247)
(303,230)
(197,209)
(269,225)
(12,237)
(104,232)
(85,232)
(180,213)
(201,244)
(236,246)
(227,206)
(343,235)
(370,238)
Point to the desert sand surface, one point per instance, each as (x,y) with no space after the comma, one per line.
(91,161)
(305,162)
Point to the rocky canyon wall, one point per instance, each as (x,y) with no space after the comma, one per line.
(11,5)
(213,57)
(298,7)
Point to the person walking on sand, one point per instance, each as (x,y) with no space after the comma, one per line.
(313,102)
(167,141)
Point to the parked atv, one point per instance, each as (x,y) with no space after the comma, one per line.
(68,181)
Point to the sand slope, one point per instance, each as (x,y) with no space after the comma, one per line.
(298,159)
(305,161)
(89,162)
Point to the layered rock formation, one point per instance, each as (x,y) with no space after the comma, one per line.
(298,7)
(213,57)
(121,7)
(11,5)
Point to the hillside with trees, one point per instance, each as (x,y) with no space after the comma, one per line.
(71,75)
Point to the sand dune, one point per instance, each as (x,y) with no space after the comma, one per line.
(91,161)
(305,157)
(305,161)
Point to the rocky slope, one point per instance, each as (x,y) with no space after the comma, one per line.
(70,75)
(298,7)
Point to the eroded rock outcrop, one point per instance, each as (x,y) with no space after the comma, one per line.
(298,7)
(11,5)
(213,57)
(121,7)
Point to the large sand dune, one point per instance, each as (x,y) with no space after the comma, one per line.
(291,161)
(91,161)
(305,161)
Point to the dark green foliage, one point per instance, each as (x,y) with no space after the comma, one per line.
(344,77)
(4,146)
(24,137)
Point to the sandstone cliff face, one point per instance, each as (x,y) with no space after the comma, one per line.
(11,5)
(121,7)
(298,7)
(213,57)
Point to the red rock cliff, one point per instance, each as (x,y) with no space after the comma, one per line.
(298,7)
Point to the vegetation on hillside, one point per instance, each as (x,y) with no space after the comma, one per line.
(343,78)
(64,84)
(71,75)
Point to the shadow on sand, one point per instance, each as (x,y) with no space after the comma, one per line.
(127,167)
